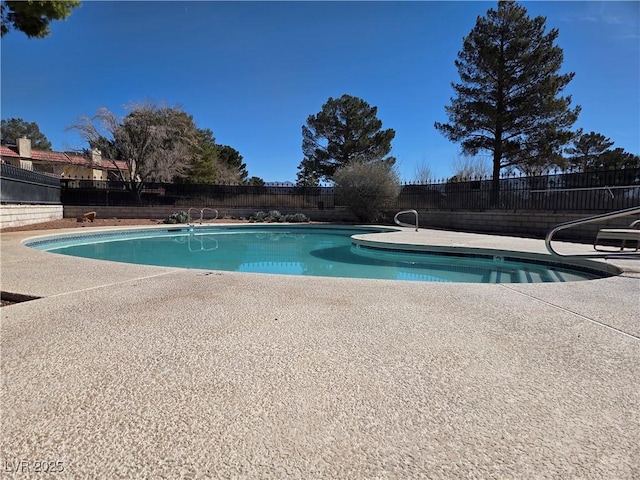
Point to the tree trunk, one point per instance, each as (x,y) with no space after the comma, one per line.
(497,163)
(135,188)
(495,181)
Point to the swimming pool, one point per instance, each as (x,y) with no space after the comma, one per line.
(333,251)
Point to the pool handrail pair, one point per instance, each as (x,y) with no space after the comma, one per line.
(593,219)
(201,214)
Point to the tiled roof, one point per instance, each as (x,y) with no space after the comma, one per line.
(54,157)
(108,164)
(8,152)
(60,157)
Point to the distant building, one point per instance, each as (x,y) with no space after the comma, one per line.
(62,164)
(279,184)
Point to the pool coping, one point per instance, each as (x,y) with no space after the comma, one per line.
(395,239)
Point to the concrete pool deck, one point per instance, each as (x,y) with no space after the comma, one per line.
(129,371)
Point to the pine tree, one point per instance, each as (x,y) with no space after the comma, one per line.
(15,128)
(507,101)
(586,150)
(231,159)
(306,176)
(345,130)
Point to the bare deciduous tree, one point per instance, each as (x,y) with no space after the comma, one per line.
(468,168)
(154,143)
(226,174)
(423,173)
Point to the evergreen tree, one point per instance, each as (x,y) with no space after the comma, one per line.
(16,128)
(231,158)
(345,130)
(214,163)
(587,149)
(306,176)
(507,101)
(618,159)
(204,166)
(33,17)
(255,182)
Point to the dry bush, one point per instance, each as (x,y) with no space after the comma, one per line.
(367,189)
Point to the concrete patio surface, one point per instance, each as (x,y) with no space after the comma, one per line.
(128,371)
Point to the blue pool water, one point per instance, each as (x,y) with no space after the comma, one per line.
(302,250)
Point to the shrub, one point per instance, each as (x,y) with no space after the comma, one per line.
(276,216)
(367,188)
(258,217)
(177,217)
(296,218)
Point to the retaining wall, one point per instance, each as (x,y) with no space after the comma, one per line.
(19,215)
(532,224)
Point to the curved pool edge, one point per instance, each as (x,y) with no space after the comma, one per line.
(72,233)
(29,271)
(398,244)
(381,238)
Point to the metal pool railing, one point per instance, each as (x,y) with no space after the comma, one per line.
(402,224)
(201,214)
(594,219)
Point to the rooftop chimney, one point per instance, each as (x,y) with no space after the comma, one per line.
(96,156)
(24,147)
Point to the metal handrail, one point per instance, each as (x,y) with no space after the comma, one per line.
(189,215)
(594,219)
(201,214)
(402,224)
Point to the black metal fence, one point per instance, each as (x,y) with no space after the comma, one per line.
(18,185)
(114,193)
(585,191)
(588,191)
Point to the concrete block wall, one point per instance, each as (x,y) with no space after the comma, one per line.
(532,224)
(19,215)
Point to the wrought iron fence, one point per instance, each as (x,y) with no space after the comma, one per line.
(87,192)
(588,191)
(585,191)
(18,185)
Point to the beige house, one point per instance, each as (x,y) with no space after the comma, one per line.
(63,164)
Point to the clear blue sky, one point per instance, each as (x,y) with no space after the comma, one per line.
(253,72)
